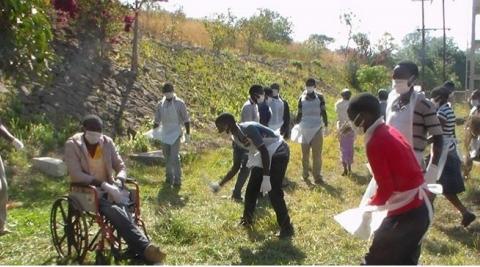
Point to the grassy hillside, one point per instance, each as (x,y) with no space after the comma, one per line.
(196,226)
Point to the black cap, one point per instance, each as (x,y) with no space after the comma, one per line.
(167,88)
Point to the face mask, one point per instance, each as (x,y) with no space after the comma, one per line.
(475,103)
(93,137)
(274,93)
(400,86)
(260,99)
(168,95)
(359,130)
(310,89)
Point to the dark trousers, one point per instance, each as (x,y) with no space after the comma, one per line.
(397,241)
(277,174)
(122,221)
(240,159)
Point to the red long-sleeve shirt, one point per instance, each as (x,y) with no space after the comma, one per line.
(394,167)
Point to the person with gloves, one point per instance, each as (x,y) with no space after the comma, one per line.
(312,123)
(250,112)
(414,116)
(268,155)
(451,178)
(3,179)
(401,194)
(92,159)
(170,115)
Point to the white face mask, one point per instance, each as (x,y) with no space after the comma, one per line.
(168,95)
(359,130)
(474,103)
(274,93)
(310,89)
(260,99)
(93,137)
(400,86)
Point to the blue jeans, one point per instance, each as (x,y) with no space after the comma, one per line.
(172,162)
(122,221)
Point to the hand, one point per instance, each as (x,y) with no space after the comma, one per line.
(431,174)
(214,186)
(119,197)
(266,185)
(187,139)
(18,144)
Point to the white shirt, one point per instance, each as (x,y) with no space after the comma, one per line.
(341,107)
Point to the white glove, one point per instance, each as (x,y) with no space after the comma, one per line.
(18,144)
(187,139)
(431,174)
(266,185)
(214,186)
(119,197)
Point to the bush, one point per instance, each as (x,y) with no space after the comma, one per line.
(372,78)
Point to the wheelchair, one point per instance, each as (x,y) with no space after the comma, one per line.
(78,227)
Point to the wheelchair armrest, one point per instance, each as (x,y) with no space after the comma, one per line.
(82,185)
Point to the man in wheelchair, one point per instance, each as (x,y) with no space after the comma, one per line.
(92,159)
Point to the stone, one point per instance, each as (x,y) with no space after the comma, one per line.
(50,166)
(149,158)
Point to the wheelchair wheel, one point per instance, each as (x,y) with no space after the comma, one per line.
(69,230)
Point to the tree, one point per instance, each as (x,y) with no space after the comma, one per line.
(348,19)
(384,49)
(221,30)
(363,45)
(25,36)
(274,27)
(318,41)
(373,78)
(137,6)
(455,59)
(250,31)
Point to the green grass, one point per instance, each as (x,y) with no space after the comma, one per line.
(195,226)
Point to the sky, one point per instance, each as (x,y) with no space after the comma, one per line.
(374,17)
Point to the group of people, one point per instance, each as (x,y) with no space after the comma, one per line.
(397,127)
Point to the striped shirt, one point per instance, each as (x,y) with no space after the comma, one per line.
(425,121)
(445,113)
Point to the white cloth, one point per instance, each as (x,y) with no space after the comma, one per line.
(341,109)
(170,128)
(311,122)
(402,120)
(276,120)
(255,158)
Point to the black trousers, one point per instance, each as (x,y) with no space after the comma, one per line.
(277,174)
(397,241)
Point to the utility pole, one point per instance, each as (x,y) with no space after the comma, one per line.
(444,43)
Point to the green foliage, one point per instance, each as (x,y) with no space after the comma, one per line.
(221,30)
(318,42)
(455,59)
(273,26)
(373,78)
(272,49)
(25,38)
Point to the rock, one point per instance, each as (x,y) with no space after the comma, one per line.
(149,158)
(50,166)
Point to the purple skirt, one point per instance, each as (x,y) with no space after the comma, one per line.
(346,147)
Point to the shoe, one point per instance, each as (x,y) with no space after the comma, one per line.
(468,218)
(319,181)
(344,173)
(237,198)
(5,231)
(214,186)
(154,255)
(286,233)
(245,223)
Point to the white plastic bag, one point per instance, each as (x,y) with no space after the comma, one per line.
(155,133)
